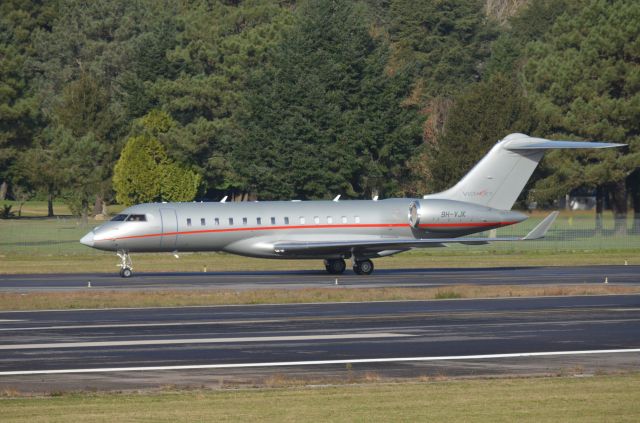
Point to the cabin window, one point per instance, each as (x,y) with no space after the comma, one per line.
(357,219)
(344,219)
(316,219)
(259,220)
(329,219)
(286,220)
(137,218)
(189,222)
(302,220)
(231,221)
(273,220)
(244,220)
(203,222)
(119,218)
(216,221)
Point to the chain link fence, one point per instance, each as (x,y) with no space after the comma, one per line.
(572,233)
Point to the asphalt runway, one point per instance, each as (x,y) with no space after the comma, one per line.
(133,348)
(314,279)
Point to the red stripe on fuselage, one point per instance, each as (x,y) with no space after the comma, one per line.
(337,226)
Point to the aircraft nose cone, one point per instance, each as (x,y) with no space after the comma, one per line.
(87,239)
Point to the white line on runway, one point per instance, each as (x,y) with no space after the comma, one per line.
(203,341)
(240,322)
(140,325)
(10,320)
(315,363)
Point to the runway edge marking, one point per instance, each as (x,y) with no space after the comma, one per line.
(318,362)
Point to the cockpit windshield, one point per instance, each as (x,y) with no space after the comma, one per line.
(129,218)
(137,218)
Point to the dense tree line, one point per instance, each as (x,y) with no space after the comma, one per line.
(145,100)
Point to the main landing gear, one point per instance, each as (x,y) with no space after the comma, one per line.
(363,267)
(126,266)
(360,267)
(335,266)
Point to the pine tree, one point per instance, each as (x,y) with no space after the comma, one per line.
(325,118)
(481,115)
(584,78)
(443,41)
(218,45)
(20,118)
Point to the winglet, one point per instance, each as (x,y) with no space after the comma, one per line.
(224,199)
(541,230)
(337,198)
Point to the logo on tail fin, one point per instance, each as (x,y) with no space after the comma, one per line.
(476,194)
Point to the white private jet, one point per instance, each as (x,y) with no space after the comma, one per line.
(337,230)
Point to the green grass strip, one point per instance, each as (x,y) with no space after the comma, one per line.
(570,399)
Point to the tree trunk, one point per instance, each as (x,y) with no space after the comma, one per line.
(599,208)
(50,205)
(619,206)
(97,205)
(85,211)
(3,190)
(633,184)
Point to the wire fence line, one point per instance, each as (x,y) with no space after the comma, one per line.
(60,236)
(571,233)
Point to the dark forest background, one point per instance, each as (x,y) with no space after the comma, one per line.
(175,100)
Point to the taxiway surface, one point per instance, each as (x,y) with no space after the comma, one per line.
(122,348)
(315,279)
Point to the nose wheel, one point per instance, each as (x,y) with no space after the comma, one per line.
(363,267)
(126,265)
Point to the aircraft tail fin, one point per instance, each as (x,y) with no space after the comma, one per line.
(497,180)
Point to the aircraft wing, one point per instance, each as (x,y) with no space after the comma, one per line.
(313,247)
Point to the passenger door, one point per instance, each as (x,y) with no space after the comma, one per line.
(169,229)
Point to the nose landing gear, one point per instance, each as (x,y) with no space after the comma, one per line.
(126,265)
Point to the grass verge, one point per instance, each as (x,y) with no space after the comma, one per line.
(222,262)
(593,399)
(180,298)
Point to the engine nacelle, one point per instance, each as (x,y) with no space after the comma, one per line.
(457,216)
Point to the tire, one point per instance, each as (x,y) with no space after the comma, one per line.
(364,267)
(335,266)
(126,272)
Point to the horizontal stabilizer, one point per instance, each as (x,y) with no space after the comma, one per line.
(543,144)
(541,229)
